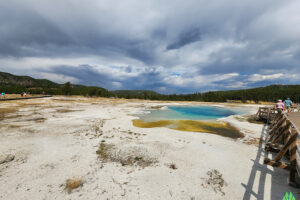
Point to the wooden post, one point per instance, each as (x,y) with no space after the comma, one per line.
(280,165)
(293,149)
(292,140)
(272,133)
(268,117)
(282,132)
(258,113)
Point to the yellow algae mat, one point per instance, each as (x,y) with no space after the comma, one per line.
(219,128)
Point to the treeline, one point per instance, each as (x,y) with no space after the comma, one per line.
(17,84)
(270,94)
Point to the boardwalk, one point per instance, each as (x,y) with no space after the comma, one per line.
(295,118)
(283,138)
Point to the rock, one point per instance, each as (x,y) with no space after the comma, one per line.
(7,158)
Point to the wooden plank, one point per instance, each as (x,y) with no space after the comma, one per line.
(281,165)
(293,151)
(291,140)
(298,162)
(272,133)
(282,132)
(278,146)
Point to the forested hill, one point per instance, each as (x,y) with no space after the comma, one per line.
(16,84)
(10,83)
(27,81)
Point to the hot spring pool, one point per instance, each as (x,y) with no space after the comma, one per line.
(192,118)
(191,113)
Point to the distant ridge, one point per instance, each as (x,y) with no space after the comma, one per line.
(16,84)
(10,79)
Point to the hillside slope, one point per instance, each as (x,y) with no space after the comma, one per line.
(27,81)
(16,84)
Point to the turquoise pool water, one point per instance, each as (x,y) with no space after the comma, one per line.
(191,113)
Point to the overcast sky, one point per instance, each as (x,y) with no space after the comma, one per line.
(169,46)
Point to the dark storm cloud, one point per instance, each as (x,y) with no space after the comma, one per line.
(84,73)
(88,75)
(169,46)
(186,38)
(26,33)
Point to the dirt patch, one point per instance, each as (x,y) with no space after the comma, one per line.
(5,111)
(172,166)
(215,181)
(131,156)
(13,116)
(72,184)
(12,126)
(65,99)
(252,141)
(7,158)
(39,119)
(66,110)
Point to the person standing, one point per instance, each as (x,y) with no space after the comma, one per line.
(2,95)
(280,106)
(288,104)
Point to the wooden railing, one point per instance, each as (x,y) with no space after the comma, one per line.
(283,138)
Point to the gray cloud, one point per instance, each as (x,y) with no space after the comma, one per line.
(143,45)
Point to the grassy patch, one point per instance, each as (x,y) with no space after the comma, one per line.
(72,184)
(241,119)
(104,150)
(253,119)
(250,119)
